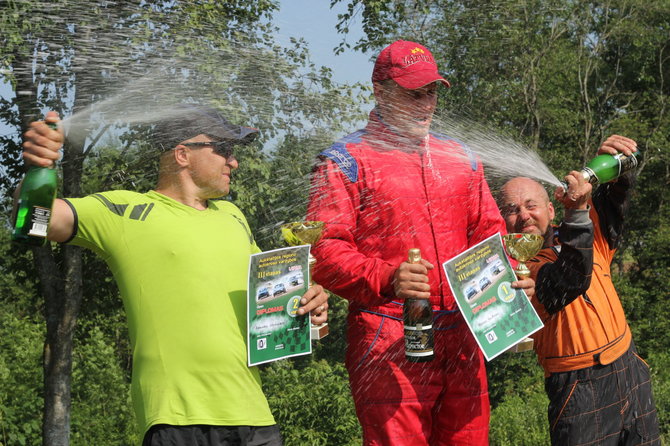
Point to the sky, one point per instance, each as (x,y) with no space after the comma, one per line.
(314,21)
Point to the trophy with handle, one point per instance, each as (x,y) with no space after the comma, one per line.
(306,233)
(523,247)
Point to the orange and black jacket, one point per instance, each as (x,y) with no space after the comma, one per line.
(584,321)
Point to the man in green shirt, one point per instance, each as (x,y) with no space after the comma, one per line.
(180,259)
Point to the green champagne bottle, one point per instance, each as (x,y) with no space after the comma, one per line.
(33,211)
(606,167)
(418,321)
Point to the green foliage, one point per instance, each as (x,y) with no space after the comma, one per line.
(312,404)
(521,419)
(512,374)
(281,194)
(659,363)
(21,343)
(100,390)
(518,401)
(18,287)
(102,411)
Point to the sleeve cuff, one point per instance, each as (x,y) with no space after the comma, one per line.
(577,216)
(386,290)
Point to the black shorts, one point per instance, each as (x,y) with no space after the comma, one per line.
(604,404)
(205,435)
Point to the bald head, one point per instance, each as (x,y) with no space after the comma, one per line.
(525,206)
(524,185)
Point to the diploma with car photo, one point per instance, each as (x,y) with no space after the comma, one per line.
(498,315)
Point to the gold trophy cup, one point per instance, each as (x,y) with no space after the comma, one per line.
(306,233)
(522,248)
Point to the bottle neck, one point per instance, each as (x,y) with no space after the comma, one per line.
(51,167)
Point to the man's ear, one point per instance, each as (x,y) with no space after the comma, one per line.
(181,155)
(552,212)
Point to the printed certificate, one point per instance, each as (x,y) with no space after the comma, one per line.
(277,281)
(498,315)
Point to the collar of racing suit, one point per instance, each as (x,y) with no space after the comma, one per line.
(385,137)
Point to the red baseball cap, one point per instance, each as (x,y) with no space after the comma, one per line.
(410,64)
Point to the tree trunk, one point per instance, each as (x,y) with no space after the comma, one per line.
(63,293)
(61,287)
(62,297)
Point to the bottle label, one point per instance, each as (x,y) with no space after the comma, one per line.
(627,163)
(590,176)
(39,219)
(418,340)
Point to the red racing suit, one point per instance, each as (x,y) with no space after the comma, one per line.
(381,195)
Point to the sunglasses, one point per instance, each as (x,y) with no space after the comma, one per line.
(223,148)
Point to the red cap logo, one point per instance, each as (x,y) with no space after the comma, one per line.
(410,64)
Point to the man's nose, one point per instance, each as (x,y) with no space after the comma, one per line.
(232,162)
(427,101)
(524,214)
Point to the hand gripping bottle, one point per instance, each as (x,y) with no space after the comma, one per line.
(418,321)
(33,210)
(606,167)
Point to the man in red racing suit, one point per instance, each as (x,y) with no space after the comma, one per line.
(382,191)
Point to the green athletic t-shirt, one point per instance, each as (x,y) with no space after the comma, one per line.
(182,274)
